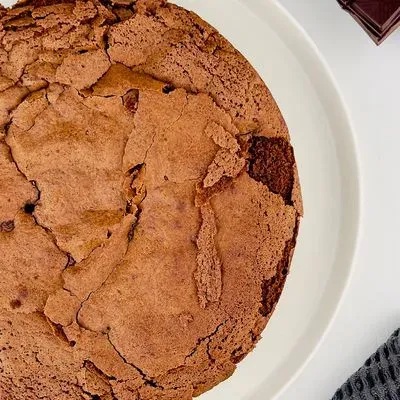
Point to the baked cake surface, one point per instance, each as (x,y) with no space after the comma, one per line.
(149,202)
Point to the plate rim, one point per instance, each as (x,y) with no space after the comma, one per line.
(298,34)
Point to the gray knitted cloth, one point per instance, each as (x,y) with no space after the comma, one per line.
(378,378)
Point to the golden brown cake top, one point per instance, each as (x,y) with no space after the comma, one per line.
(149,202)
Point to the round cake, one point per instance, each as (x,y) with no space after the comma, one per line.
(149,202)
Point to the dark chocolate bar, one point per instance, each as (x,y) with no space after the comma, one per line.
(379,18)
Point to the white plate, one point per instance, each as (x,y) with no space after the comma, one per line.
(323,140)
(322,136)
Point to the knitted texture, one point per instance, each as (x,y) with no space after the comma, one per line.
(378,378)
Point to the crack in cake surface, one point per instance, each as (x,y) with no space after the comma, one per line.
(146,379)
(208,275)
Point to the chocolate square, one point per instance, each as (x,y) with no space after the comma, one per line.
(379,18)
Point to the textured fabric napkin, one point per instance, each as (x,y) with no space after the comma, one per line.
(378,378)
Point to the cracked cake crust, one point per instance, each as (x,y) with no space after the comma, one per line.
(149,202)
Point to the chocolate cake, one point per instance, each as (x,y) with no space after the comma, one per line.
(149,202)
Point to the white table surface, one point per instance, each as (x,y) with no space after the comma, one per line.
(368,79)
